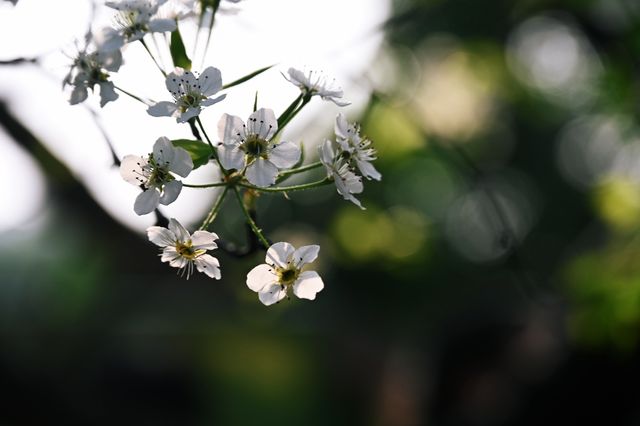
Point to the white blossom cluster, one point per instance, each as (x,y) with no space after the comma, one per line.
(251,155)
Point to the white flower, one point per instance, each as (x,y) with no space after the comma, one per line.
(177,9)
(346,181)
(134,20)
(283,270)
(154,174)
(190,94)
(183,250)
(89,69)
(315,83)
(250,145)
(356,148)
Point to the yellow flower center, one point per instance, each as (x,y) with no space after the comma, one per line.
(186,250)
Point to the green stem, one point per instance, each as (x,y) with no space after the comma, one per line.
(131,95)
(153,57)
(250,220)
(300,187)
(287,119)
(205,185)
(300,169)
(214,152)
(214,210)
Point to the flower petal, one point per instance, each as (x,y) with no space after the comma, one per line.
(210,81)
(162,109)
(285,155)
(262,173)
(208,265)
(204,240)
(161,236)
(163,151)
(307,285)
(231,157)
(367,170)
(147,201)
(180,232)
(263,123)
(78,94)
(210,101)
(305,254)
(182,163)
(272,294)
(341,127)
(279,254)
(231,129)
(188,114)
(170,192)
(260,277)
(162,25)
(107,93)
(131,169)
(170,254)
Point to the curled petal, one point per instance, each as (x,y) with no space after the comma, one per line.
(341,127)
(161,236)
(208,265)
(179,231)
(204,240)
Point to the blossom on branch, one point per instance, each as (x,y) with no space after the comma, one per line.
(190,94)
(282,271)
(184,251)
(154,174)
(346,181)
(250,145)
(89,70)
(315,83)
(355,148)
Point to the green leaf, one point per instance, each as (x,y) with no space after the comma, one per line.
(199,151)
(178,51)
(246,77)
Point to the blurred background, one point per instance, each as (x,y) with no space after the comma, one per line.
(492,280)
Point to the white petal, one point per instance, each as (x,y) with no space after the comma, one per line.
(110,60)
(367,170)
(170,192)
(305,254)
(263,123)
(161,236)
(131,169)
(78,94)
(107,93)
(170,254)
(260,277)
(147,201)
(298,78)
(341,127)
(327,154)
(272,294)
(109,39)
(231,157)
(211,101)
(279,254)
(307,285)
(188,114)
(182,164)
(262,173)
(204,240)
(162,25)
(210,81)
(285,155)
(162,109)
(173,80)
(231,129)
(163,151)
(208,265)
(180,232)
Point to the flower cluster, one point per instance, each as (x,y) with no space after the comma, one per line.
(250,156)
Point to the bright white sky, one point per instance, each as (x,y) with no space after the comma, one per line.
(336,36)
